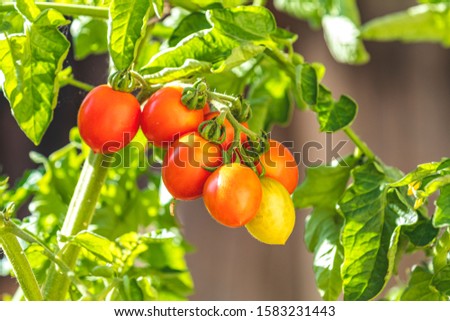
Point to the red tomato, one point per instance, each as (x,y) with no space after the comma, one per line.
(206,109)
(108,119)
(229,130)
(232,194)
(183,172)
(165,118)
(280,164)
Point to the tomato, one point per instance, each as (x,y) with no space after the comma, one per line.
(280,164)
(275,220)
(183,172)
(206,109)
(108,119)
(232,194)
(165,118)
(229,130)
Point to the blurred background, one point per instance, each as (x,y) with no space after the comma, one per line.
(404,115)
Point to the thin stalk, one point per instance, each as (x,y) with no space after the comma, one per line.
(65,9)
(359,143)
(441,250)
(238,127)
(31,238)
(283,60)
(79,216)
(21,266)
(78,84)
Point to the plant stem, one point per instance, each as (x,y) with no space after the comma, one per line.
(65,9)
(441,250)
(20,264)
(239,127)
(283,60)
(31,238)
(78,84)
(78,218)
(359,143)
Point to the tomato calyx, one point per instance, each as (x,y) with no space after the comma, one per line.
(243,145)
(122,81)
(195,96)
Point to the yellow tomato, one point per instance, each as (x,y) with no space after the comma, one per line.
(275,220)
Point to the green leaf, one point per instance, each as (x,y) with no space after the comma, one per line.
(373,215)
(213,50)
(422,171)
(196,5)
(307,83)
(201,52)
(420,287)
(97,245)
(246,23)
(269,99)
(441,280)
(283,36)
(89,36)
(158,7)
(127,22)
(340,21)
(342,37)
(28,9)
(310,10)
(30,64)
(11,22)
(422,233)
(148,291)
(334,115)
(442,215)
(192,23)
(433,185)
(433,1)
(323,186)
(322,233)
(426,22)
(226,82)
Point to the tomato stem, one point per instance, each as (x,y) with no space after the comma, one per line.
(441,250)
(238,128)
(65,9)
(78,218)
(359,143)
(31,238)
(19,262)
(78,84)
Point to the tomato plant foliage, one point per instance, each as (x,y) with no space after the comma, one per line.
(365,215)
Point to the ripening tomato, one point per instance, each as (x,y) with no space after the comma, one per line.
(206,109)
(183,169)
(229,130)
(165,118)
(108,119)
(232,194)
(280,164)
(275,220)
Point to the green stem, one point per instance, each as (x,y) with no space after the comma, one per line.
(78,84)
(441,251)
(65,9)
(31,238)
(78,218)
(359,143)
(20,264)
(283,60)
(238,127)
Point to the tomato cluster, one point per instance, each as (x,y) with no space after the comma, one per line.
(234,194)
